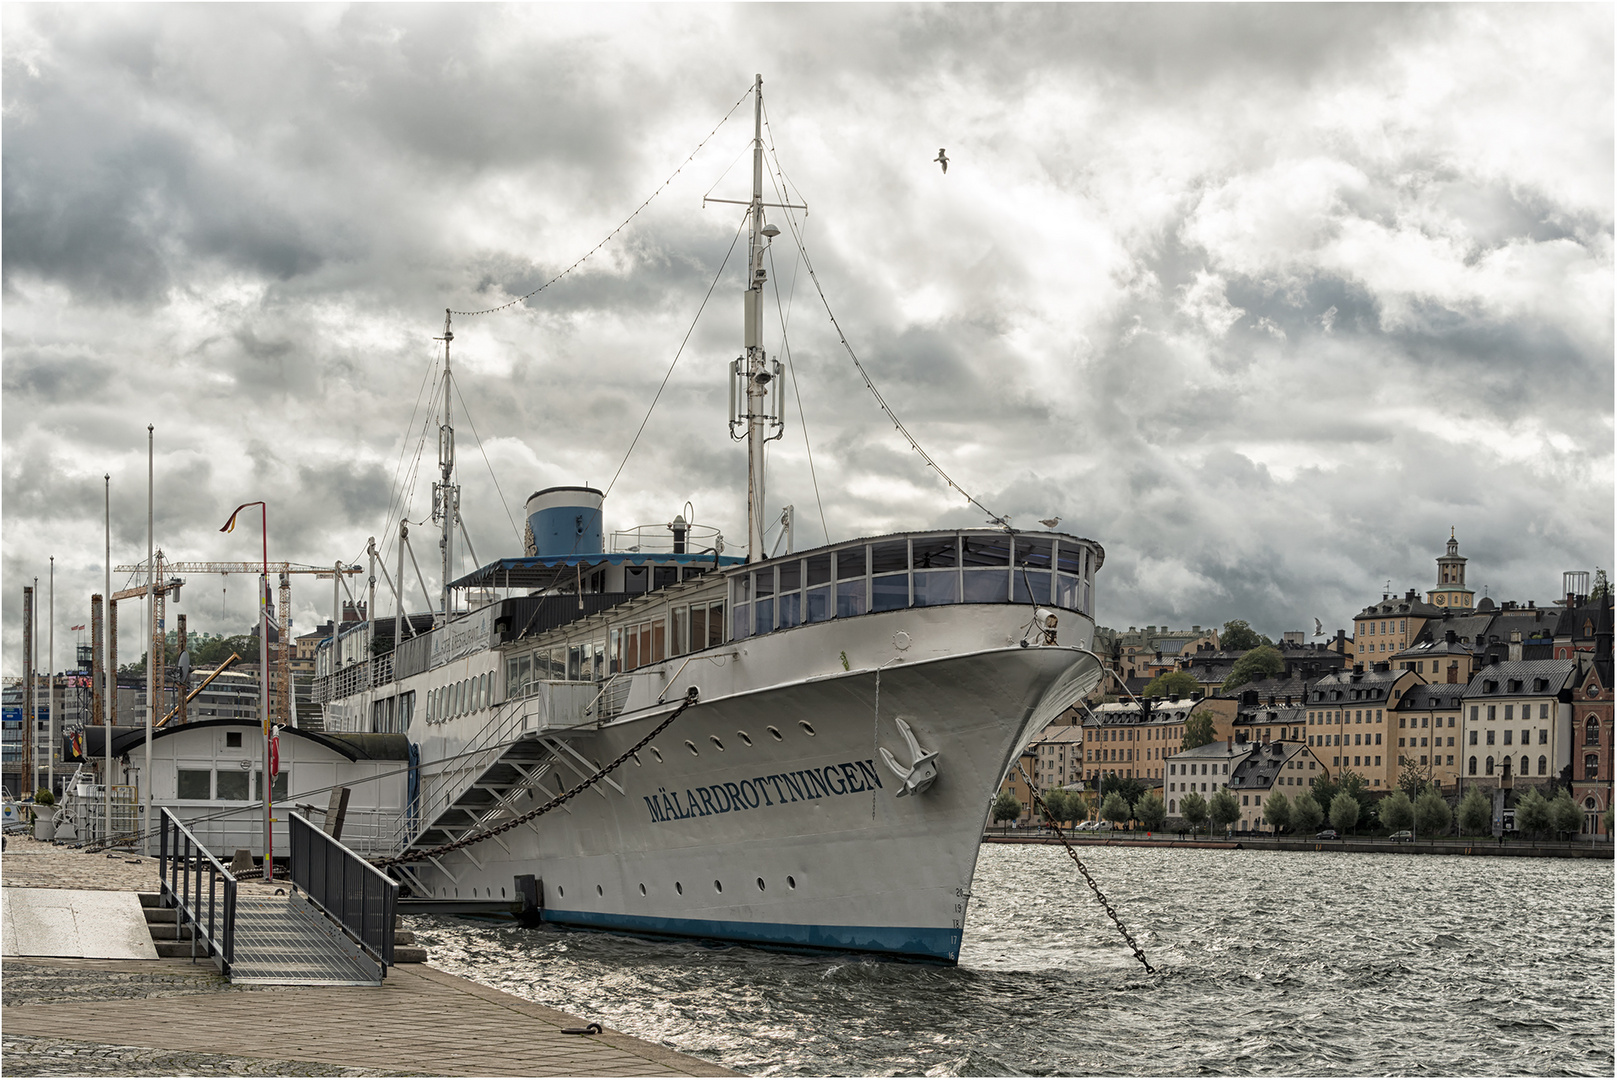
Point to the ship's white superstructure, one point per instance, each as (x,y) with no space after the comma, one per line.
(798,751)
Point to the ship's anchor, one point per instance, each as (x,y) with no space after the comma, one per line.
(920,775)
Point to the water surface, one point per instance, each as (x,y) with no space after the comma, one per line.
(1289,963)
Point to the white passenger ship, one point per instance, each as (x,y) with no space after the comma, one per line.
(855,708)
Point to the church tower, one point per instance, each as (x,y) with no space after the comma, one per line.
(1450,591)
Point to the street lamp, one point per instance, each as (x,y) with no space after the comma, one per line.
(263,678)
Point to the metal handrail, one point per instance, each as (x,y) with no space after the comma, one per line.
(346,887)
(174,861)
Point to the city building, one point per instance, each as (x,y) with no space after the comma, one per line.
(1058,756)
(1517,723)
(1202,769)
(1430,731)
(1286,767)
(1126,740)
(1592,738)
(1350,725)
(1390,626)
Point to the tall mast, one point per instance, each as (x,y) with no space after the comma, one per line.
(757,368)
(445,495)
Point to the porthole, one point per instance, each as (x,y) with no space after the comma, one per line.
(457,889)
(806,726)
(692,748)
(502,891)
(742,735)
(718,886)
(760,884)
(636,759)
(791,882)
(775,732)
(598,891)
(560,891)
(679,888)
(656,753)
(642,888)
(716,742)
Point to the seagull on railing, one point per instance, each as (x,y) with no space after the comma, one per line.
(1050,523)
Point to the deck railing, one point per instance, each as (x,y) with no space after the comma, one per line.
(346,887)
(182,862)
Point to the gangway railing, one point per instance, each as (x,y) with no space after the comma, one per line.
(182,862)
(347,888)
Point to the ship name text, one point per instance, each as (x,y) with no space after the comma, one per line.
(804,785)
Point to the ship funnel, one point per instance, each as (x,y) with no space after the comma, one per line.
(564,521)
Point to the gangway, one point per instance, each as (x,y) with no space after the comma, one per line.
(334,927)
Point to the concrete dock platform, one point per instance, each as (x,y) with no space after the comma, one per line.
(159,1017)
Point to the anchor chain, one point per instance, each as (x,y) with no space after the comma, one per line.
(1139,953)
(584,785)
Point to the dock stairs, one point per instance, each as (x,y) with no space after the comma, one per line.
(171,939)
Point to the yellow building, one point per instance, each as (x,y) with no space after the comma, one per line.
(1351,724)
(1430,733)
(1121,740)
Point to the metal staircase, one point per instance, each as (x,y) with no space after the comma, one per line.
(519,756)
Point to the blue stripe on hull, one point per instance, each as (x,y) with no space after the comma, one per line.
(923,942)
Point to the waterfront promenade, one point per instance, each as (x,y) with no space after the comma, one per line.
(1488,846)
(172,1016)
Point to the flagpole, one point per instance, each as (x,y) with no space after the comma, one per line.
(107,673)
(268,783)
(153,663)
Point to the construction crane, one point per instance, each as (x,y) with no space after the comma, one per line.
(281,650)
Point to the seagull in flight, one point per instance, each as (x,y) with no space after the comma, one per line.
(1050,523)
(942,159)
(1319,628)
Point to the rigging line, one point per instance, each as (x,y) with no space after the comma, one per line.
(473,424)
(620,228)
(870,385)
(680,352)
(407,492)
(393,486)
(797,392)
(782,189)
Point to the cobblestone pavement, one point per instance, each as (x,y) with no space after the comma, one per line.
(40,981)
(25,1055)
(34,864)
(175,1018)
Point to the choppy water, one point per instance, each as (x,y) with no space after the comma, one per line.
(1293,963)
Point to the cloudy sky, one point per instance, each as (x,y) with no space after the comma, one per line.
(1264,299)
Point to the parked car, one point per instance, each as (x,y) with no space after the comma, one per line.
(1089,826)
(1402,836)
(1327,834)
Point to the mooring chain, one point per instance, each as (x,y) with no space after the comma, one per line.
(584,785)
(1139,953)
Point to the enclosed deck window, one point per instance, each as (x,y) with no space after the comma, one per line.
(923,571)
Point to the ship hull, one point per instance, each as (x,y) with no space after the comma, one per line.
(771,817)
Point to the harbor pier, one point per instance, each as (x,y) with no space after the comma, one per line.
(118,1016)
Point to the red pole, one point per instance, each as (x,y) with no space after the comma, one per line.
(269,781)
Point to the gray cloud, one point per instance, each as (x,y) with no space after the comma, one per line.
(1262,298)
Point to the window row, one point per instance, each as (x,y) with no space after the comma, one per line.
(229,785)
(460,698)
(1510,711)
(1342,740)
(1435,742)
(1504,766)
(912,572)
(1527,735)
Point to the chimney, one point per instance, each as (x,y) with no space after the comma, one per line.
(1515,645)
(1449,637)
